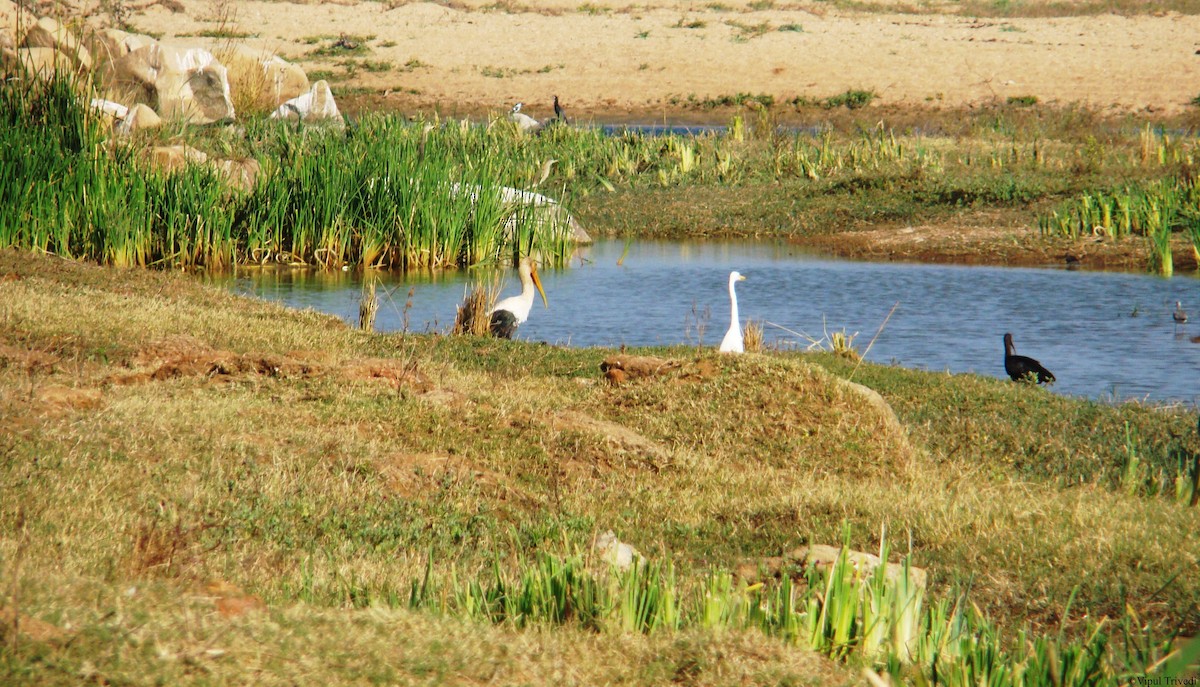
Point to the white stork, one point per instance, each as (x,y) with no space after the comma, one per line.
(512,311)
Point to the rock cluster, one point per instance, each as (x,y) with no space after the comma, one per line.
(823,557)
(137,81)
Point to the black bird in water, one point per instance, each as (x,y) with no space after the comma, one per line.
(559,111)
(1023,368)
(1180,314)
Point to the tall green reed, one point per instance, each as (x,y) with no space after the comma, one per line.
(386,195)
(1154,210)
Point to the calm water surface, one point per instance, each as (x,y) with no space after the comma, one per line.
(1104,335)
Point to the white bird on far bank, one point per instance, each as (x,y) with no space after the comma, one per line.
(523,121)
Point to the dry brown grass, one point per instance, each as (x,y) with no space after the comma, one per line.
(194,642)
(368,305)
(473,316)
(252,91)
(316,467)
(752,336)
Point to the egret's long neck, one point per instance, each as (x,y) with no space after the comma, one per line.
(733,311)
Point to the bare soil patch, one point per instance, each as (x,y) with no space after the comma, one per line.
(185,356)
(610,60)
(972,240)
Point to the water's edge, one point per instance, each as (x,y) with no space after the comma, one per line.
(1104,335)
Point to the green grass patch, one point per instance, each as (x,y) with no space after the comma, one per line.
(744,32)
(376,66)
(222,33)
(852,99)
(1022,100)
(340,46)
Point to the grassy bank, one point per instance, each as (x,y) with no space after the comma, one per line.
(387,192)
(201,488)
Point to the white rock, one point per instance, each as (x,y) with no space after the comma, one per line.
(115,110)
(317,104)
(616,552)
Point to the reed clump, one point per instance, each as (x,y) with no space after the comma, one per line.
(842,344)
(380,196)
(368,305)
(1155,211)
(752,336)
(870,619)
(386,193)
(472,317)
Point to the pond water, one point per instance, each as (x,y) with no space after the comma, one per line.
(1105,335)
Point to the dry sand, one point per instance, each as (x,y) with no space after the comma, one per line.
(608,60)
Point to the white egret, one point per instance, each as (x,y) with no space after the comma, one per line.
(512,311)
(732,343)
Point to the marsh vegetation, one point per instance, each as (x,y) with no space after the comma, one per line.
(380,195)
(390,193)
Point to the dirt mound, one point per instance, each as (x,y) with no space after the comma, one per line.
(762,399)
(617,436)
(31,360)
(219,365)
(185,356)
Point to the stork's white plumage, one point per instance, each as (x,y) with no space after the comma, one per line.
(523,121)
(732,343)
(512,311)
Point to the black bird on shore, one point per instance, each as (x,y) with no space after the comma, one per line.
(1023,368)
(559,111)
